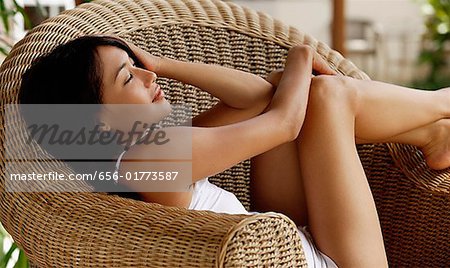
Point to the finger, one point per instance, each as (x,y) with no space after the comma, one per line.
(322,66)
(133,47)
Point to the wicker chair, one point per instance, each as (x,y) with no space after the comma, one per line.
(87,229)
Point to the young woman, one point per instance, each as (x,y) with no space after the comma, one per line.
(298,129)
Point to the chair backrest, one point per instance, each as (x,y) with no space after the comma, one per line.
(208,31)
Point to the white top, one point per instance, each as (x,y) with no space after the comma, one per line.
(207,196)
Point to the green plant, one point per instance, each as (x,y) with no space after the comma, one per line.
(436,43)
(7,12)
(6,256)
(10,8)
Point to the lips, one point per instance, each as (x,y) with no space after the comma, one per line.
(158,94)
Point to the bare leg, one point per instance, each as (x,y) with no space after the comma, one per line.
(341,211)
(276,183)
(385,110)
(389,113)
(432,139)
(277,171)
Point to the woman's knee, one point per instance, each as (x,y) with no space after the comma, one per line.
(328,89)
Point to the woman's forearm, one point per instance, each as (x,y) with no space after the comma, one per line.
(235,88)
(291,97)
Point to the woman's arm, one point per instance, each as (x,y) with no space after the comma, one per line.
(242,95)
(234,88)
(217,148)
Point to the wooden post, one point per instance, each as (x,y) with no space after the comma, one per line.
(338,26)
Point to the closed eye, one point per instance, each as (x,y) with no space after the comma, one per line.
(129,79)
(133,63)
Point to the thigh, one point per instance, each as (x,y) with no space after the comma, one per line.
(342,213)
(276,183)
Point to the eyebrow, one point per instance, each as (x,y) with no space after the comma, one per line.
(118,71)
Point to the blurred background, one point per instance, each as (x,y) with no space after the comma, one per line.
(405,42)
(398,41)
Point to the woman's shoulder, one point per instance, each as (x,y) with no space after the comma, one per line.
(164,143)
(160,167)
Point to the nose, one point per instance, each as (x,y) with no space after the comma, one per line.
(148,77)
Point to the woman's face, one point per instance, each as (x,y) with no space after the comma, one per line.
(125,83)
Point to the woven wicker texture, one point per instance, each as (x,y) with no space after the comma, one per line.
(97,230)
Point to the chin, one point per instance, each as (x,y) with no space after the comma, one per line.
(164,109)
(167,108)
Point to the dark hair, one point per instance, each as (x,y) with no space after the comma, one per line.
(71,74)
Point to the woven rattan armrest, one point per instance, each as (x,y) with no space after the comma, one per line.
(98,230)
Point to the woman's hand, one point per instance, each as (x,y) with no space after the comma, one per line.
(291,96)
(150,62)
(319,65)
